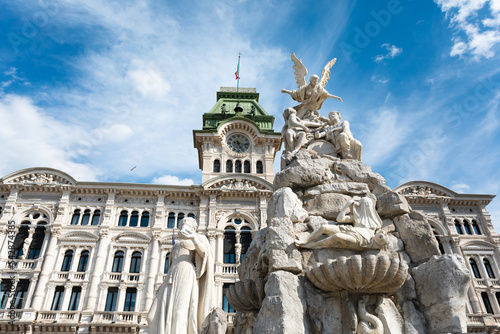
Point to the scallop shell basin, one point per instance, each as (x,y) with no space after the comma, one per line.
(359,274)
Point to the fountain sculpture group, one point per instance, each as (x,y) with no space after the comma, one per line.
(342,252)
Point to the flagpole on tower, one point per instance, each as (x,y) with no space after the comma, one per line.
(237,73)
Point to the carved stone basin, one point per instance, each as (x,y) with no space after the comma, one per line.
(358,274)
(247,295)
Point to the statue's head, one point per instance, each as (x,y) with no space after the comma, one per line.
(288,112)
(188,223)
(334,116)
(314,80)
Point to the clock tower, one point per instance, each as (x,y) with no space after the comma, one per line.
(237,137)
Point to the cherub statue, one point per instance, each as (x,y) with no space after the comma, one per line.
(363,233)
(339,134)
(295,130)
(311,96)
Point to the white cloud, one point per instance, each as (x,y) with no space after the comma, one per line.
(172,180)
(481,34)
(380,80)
(31,138)
(392,51)
(460,187)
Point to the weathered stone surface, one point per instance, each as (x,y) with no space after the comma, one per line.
(250,267)
(316,221)
(216,322)
(354,170)
(305,172)
(325,312)
(280,252)
(392,204)
(285,204)
(246,295)
(243,322)
(414,320)
(346,188)
(444,304)
(327,205)
(416,233)
(284,308)
(390,317)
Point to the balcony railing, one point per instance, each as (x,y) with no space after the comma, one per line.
(19,264)
(70,275)
(227,268)
(117,277)
(6,314)
(59,316)
(115,317)
(487,281)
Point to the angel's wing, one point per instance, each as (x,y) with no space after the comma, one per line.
(325,75)
(300,71)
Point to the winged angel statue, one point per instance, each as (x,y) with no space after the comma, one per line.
(311,96)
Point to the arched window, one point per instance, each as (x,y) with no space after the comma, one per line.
(171,220)
(134,219)
(246,166)
(20,294)
(135,263)
(86,217)
(458,226)
(96,217)
(489,269)
(225,303)
(5,287)
(216,166)
(75,298)
(145,219)
(21,235)
(237,221)
(486,302)
(180,216)
(111,299)
(84,260)
(474,268)
(68,258)
(467,227)
(245,241)
(229,242)
(36,244)
(122,221)
(259,167)
(475,226)
(229,166)
(441,249)
(58,298)
(118,262)
(191,215)
(76,217)
(237,166)
(167,263)
(130,296)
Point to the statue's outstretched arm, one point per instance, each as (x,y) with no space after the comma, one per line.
(335,97)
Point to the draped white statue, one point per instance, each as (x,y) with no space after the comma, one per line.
(186,296)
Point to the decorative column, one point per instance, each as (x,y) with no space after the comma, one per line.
(68,288)
(212,210)
(8,214)
(153,270)
(102,250)
(121,298)
(263,212)
(99,266)
(159,211)
(47,267)
(27,242)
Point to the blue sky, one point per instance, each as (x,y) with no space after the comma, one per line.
(95,88)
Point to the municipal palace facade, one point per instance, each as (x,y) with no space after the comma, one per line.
(87,257)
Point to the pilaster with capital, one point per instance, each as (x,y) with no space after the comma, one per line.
(153,270)
(212,211)
(263,211)
(159,220)
(47,268)
(102,250)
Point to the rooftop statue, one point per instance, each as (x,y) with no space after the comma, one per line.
(311,96)
(186,296)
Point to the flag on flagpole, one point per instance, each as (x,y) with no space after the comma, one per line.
(237,73)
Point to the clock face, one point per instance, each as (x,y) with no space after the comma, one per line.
(238,143)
